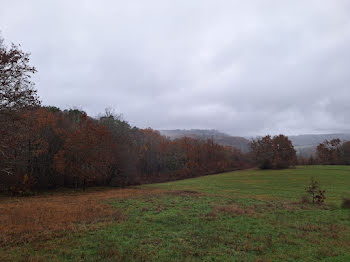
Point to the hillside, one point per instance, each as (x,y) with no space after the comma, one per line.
(305,145)
(314,140)
(240,143)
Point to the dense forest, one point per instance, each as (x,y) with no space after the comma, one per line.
(43,147)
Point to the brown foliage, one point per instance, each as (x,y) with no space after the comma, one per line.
(330,152)
(276,152)
(163,159)
(334,152)
(54,148)
(88,152)
(317,194)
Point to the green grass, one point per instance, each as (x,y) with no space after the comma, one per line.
(281,184)
(248,215)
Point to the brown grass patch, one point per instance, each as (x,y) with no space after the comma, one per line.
(26,219)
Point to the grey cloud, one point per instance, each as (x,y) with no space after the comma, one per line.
(244,67)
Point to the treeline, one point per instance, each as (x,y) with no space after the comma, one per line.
(48,148)
(330,152)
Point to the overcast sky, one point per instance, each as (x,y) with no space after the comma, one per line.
(243,67)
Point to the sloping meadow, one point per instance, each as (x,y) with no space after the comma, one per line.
(249,215)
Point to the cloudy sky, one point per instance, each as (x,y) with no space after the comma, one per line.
(243,67)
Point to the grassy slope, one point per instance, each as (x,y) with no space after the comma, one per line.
(246,215)
(280,184)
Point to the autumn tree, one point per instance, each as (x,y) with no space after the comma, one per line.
(87,154)
(285,154)
(17,93)
(330,152)
(263,152)
(346,153)
(124,136)
(148,142)
(276,152)
(48,130)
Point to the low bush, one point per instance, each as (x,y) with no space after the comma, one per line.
(316,193)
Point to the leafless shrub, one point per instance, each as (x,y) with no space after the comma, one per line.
(316,193)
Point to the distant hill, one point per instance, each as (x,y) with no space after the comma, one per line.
(305,145)
(314,140)
(219,137)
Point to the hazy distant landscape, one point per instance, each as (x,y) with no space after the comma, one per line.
(187,130)
(305,145)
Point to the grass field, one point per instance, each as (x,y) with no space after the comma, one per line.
(248,215)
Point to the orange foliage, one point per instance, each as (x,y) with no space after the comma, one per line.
(88,152)
(48,148)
